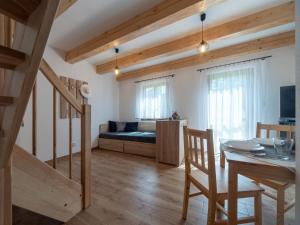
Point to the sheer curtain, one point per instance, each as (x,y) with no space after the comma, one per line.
(154,99)
(234,96)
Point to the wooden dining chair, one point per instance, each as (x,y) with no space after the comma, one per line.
(212,180)
(280,187)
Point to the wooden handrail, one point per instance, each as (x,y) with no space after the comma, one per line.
(54,80)
(85,111)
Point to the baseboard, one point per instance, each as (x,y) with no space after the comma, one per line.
(95,148)
(62,158)
(66,156)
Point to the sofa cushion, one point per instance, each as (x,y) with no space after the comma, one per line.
(121,126)
(146,137)
(131,127)
(112,126)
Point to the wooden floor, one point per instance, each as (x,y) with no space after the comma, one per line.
(132,190)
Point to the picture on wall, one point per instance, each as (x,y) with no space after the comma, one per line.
(74,87)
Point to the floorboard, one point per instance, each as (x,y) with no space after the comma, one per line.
(132,190)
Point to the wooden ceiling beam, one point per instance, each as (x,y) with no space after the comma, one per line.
(258,45)
(165,13)
(265,19)
(64,5)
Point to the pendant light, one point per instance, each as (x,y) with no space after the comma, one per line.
(203,47)
(117,70)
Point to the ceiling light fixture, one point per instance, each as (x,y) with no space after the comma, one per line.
(117,70)
(203,47)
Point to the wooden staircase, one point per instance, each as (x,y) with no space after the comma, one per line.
(10,58)
(35,19)
(6,100)
(39,188)
(19,10)
(25,181)
(22,45)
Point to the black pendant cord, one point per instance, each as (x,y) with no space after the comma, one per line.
(202,31)
(117,51)
(202,18)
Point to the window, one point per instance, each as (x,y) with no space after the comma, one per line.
(154,99)
(230,105)
(234,100)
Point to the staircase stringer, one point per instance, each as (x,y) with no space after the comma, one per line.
(39,188)
(32,42)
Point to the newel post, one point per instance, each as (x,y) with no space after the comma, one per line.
(86,155)
(5,195)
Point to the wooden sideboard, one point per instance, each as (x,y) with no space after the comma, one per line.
(169,140)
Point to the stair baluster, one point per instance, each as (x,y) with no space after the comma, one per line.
(54,129)
(85,111)
(70,141)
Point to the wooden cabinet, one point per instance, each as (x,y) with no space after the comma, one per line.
(169,140)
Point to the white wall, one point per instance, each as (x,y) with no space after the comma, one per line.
(186,82)
(104,103)
(112,100)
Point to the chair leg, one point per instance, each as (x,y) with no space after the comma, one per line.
(280,206)
(186,197)
(211,215)
(258,209)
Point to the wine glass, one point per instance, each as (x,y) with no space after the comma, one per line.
(283,147)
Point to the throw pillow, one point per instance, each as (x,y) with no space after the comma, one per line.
(112,126)
(121,126)
(131,126)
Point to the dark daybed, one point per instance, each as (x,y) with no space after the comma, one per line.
(141,141)
(139,136)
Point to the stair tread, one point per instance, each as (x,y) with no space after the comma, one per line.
(28,5)
(6,100)
(10,58)
(2,133)
(19,10)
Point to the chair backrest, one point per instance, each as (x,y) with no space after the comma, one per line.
(199,153)
(288,129)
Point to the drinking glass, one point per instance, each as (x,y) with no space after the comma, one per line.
(283,147)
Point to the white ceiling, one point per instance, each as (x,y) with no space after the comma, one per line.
(89,18)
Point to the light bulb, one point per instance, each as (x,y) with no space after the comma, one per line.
(203,47)
(117,70)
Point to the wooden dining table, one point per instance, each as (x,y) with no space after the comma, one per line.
(242,164)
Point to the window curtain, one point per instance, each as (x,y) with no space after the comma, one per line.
(154,99)
(233,99)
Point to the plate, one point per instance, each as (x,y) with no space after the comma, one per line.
(245,145)
(264,141)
